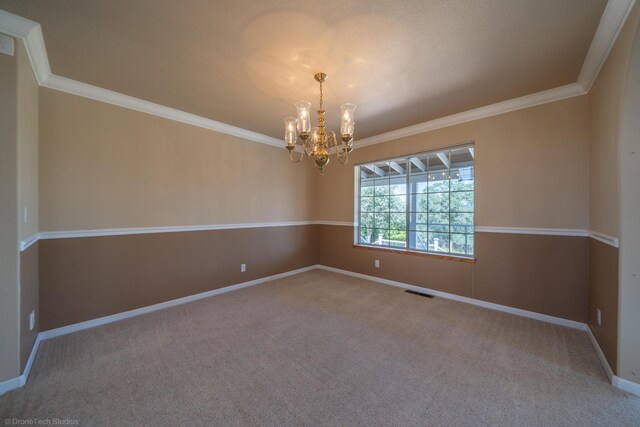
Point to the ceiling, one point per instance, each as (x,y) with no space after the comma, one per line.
(246,62)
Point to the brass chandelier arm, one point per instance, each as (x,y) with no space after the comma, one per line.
(342,153)
(342,148)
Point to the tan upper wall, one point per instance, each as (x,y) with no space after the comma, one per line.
(605,101)
(531,167)
(27,144)
(103,166)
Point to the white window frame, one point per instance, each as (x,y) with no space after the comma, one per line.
(357,199)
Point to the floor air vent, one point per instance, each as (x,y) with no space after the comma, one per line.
(420,293)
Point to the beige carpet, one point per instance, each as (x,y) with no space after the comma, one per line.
(322,349)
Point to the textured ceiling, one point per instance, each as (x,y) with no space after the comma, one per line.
(245,62)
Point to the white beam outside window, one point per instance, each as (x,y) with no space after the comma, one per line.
(416,161)
(444,160)
(396,167)
(375,169)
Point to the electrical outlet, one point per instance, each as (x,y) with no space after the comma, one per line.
(32,320)
(243,268)
(599,314)
(377,263)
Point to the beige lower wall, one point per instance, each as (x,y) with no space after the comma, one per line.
(544,274)
(29,289)
(86,278)
(603,295)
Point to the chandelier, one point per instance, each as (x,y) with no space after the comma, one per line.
(317,142)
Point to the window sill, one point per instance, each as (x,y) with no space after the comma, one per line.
(416,253)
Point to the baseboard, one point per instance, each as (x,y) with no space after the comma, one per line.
(155,307)
(603,360)
(10,384)
(18,382)
(517,311)
(621,383)
(626,385)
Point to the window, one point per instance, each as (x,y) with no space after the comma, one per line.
(422,202)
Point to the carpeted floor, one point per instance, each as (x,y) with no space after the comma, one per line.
(322,349)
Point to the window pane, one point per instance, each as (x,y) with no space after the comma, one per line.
(462,179)
(438,181)
(421,202)
(461,244)
(398,186)
(439,222)
(439,202)
(381,220)
(366,191)
(422,241)
(398,203)
(470,244)
(381,186)
(396,238)
(439,242)
(366,220)
(418,183)
(461,222)
(366,204)
(462,201)
(381,204)
(377,237)
(365,234)
(421,222)
(398,221)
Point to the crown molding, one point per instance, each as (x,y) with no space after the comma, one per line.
(613,18)
(544,97)
(96,93)
(31,33)
(611,23)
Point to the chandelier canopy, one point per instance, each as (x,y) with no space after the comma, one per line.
(317,142)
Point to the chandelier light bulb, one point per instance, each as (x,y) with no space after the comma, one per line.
(304,120)
(347,125)
(290,131)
